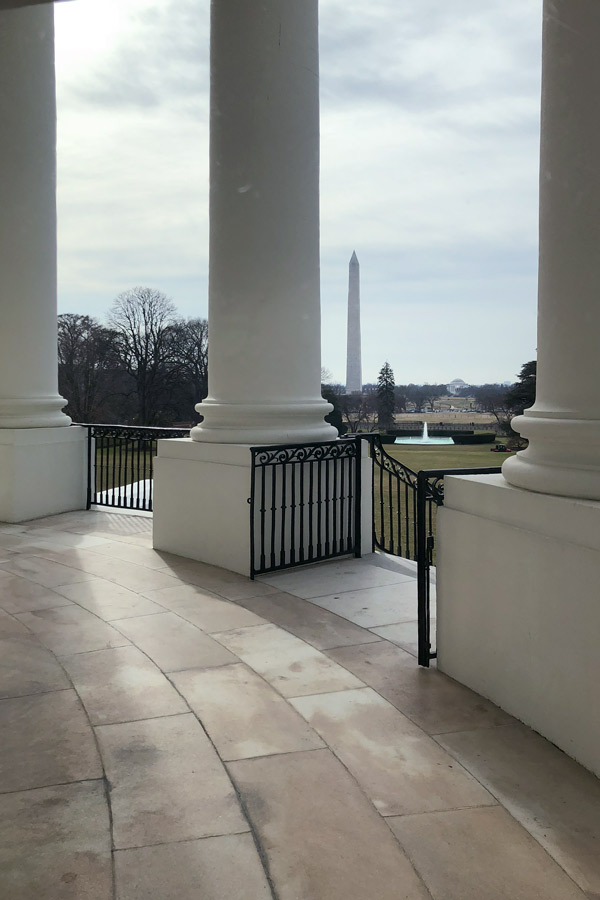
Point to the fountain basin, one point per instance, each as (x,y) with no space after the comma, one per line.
(424,441)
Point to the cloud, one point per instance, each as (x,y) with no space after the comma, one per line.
(158,58)
(430,121)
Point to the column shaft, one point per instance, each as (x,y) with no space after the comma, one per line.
(264,303)
(28,355)
(563,426)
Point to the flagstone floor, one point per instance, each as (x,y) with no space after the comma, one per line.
(172,731)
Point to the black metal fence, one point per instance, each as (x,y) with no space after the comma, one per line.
(394,503)
(405,505)
(305,504)
(120,464)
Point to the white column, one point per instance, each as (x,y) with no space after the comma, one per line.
(42,463)
(563,426)
(264,307)
(28,356)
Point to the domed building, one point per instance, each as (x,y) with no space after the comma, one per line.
(455,386)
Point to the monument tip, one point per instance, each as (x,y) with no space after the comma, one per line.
(354,257)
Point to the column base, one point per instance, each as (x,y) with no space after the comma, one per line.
(518,616)
(563,457)
(43,472)
(286,423)
(41,412)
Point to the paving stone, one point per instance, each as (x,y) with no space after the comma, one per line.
(308,622)
(55,844)
(28,668)
(371,607)
(242,714)
(44,571)
(19,595)
(400,768)
(107,600)
(553,797)
(190,571)
(289,664)
(70,629)
(334,578)
(166,783)
(46,739)
(322,838)
(130,575)
(320,832)
(433,701)
(122,685)
(470,854)
(173,643)
(204,609)
(65,539)
(9,625)
(241,590)
(404,635)
(217,868)
(141,556)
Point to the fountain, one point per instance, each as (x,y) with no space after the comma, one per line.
(424,439)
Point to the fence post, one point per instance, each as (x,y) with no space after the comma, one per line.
(251,500)
(358,500)
(423,572)
(89,468)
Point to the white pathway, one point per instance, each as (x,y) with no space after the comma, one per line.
(172,731)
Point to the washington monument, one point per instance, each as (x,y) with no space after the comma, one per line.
(353,362)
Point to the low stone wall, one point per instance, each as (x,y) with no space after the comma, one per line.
(518,616)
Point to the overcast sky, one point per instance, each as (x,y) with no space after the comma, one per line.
(430,142)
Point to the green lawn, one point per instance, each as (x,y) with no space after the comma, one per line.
(445,456)
(394,519)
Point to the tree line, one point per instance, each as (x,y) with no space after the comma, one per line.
(146,365)
(375,406)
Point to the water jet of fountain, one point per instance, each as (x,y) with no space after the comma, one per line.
(424,439)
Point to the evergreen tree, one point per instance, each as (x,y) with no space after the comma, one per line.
(386,397)
(522,394)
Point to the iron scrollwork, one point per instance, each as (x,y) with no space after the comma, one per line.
(135,433)
(305,453)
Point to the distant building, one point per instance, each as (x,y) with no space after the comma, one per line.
(455,386)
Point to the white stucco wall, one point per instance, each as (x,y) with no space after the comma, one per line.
(518,593)
(43,471)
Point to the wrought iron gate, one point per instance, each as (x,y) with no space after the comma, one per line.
(304,504)
(405,505)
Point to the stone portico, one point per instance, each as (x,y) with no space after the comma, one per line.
(519,561)
(175,730)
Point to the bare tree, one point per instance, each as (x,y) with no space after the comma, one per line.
(190,356)
(433,392)
(358,411)
(143,321)
(86,362)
